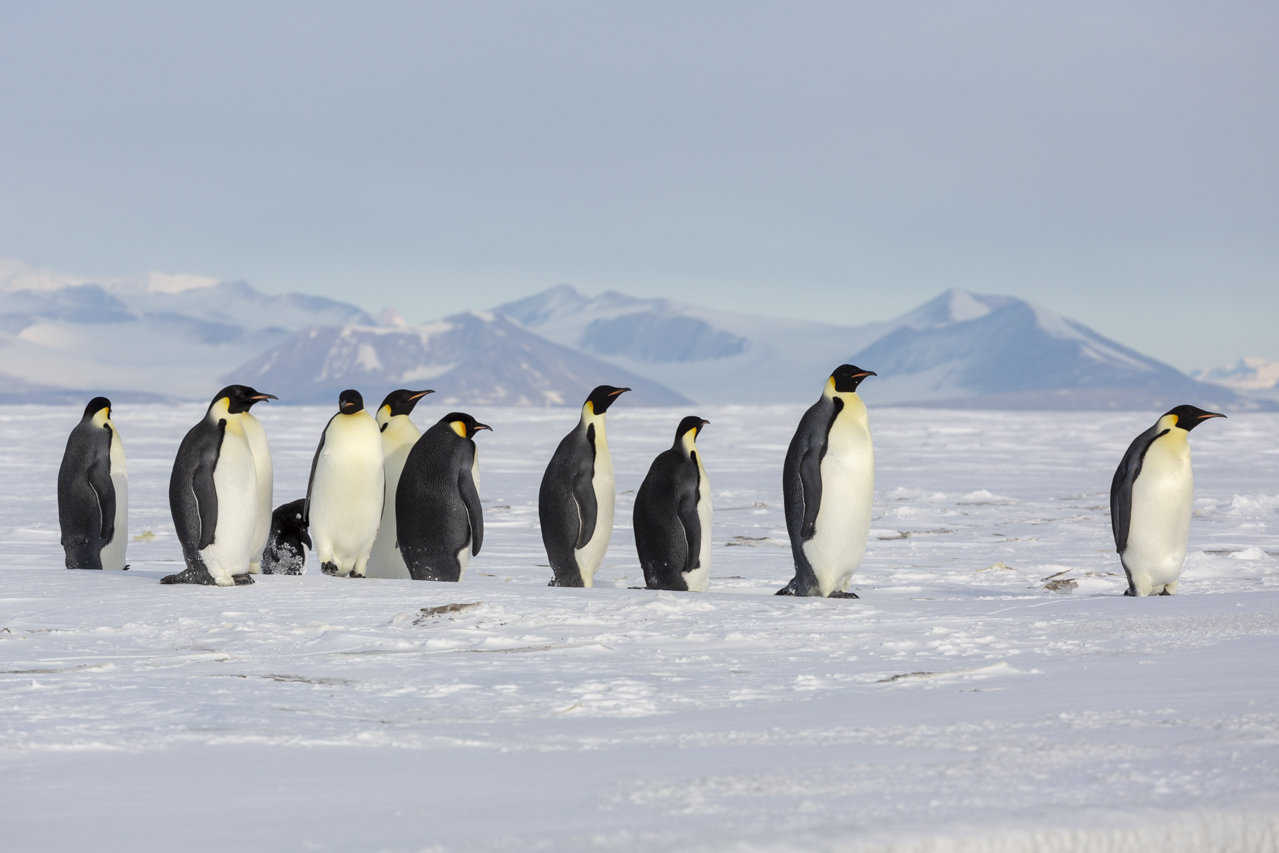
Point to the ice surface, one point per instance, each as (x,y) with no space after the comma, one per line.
(990,691)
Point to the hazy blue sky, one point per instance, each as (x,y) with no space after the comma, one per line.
(1117,162)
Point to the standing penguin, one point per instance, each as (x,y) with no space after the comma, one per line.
(285,551)
(399,434)
(673,515)
(261,449)
(1150,502)
(828,484)
(213,493)
(347,486)
(437,504)
(93,492)
(575,503)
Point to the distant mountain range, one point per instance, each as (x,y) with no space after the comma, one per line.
(183,336)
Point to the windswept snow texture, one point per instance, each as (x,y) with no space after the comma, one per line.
(992,690)
(470,359)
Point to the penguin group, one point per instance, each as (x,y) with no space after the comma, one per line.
(386,501)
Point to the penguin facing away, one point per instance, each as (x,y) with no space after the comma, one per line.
(347,486)
(828,485)
(438,515)
(261,449)
(576,499)
(285,551)
(399,434)
(672,515)
(1151,502)
(93,492)
(213,493)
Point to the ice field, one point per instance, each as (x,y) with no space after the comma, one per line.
(992,690)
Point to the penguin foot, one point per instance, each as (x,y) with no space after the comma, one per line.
(329,568)
(242,580)
(1130,591)
(1165,592)
(197,576)
(838,594)
(126,568)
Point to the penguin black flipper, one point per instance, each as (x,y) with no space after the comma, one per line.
(1121,486)
(584,492)
(689,485)
(471,499)
(802,490)
(310,483)
(104,489)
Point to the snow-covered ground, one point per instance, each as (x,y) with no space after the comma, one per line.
(991,691)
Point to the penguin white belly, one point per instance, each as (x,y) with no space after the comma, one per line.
(235,480)
(843,518)
(113,553)
(261,450)
(1159,524)
(700,578)
(346,497)
(591,554)
(386,561)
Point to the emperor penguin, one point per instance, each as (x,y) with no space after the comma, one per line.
(399,434)
(575,502)
(213,493)
(1150,502)
(285,551)
(261,449)
(828,485)
(438,515)
(673,515)
(347,486)
(93,492)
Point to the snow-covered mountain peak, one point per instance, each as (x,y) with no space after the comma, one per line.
(1247,374)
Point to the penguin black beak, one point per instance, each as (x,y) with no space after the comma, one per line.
(420,394)
(618,391)
(1211,415)
(864,373)
(479,426)
(260,397)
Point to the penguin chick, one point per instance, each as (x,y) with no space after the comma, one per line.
(399,434)
(285,551)
(1151,501)
(347,486)
(213,493)
(93,492)
(828,484)
(437,506)
(672,515)
(575,501)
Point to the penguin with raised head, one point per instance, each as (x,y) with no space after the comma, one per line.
(1151,502)
(93,492)
(213,493)
(438,516)
(261,449)
(828,485)
(575,502)
(347,486)
(399,434)
(673,515)
(286,545)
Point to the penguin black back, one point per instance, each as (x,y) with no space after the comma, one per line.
(86,495)
(285,552)
(668,530)
(437,504)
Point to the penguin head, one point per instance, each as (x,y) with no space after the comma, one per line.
(239,398)
(602,397)
(846,378)
(463,424)
(96,405)
(350,402)
(688,430)
(1189,417)
(399,402)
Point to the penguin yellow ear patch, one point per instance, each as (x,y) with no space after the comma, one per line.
(459,427)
